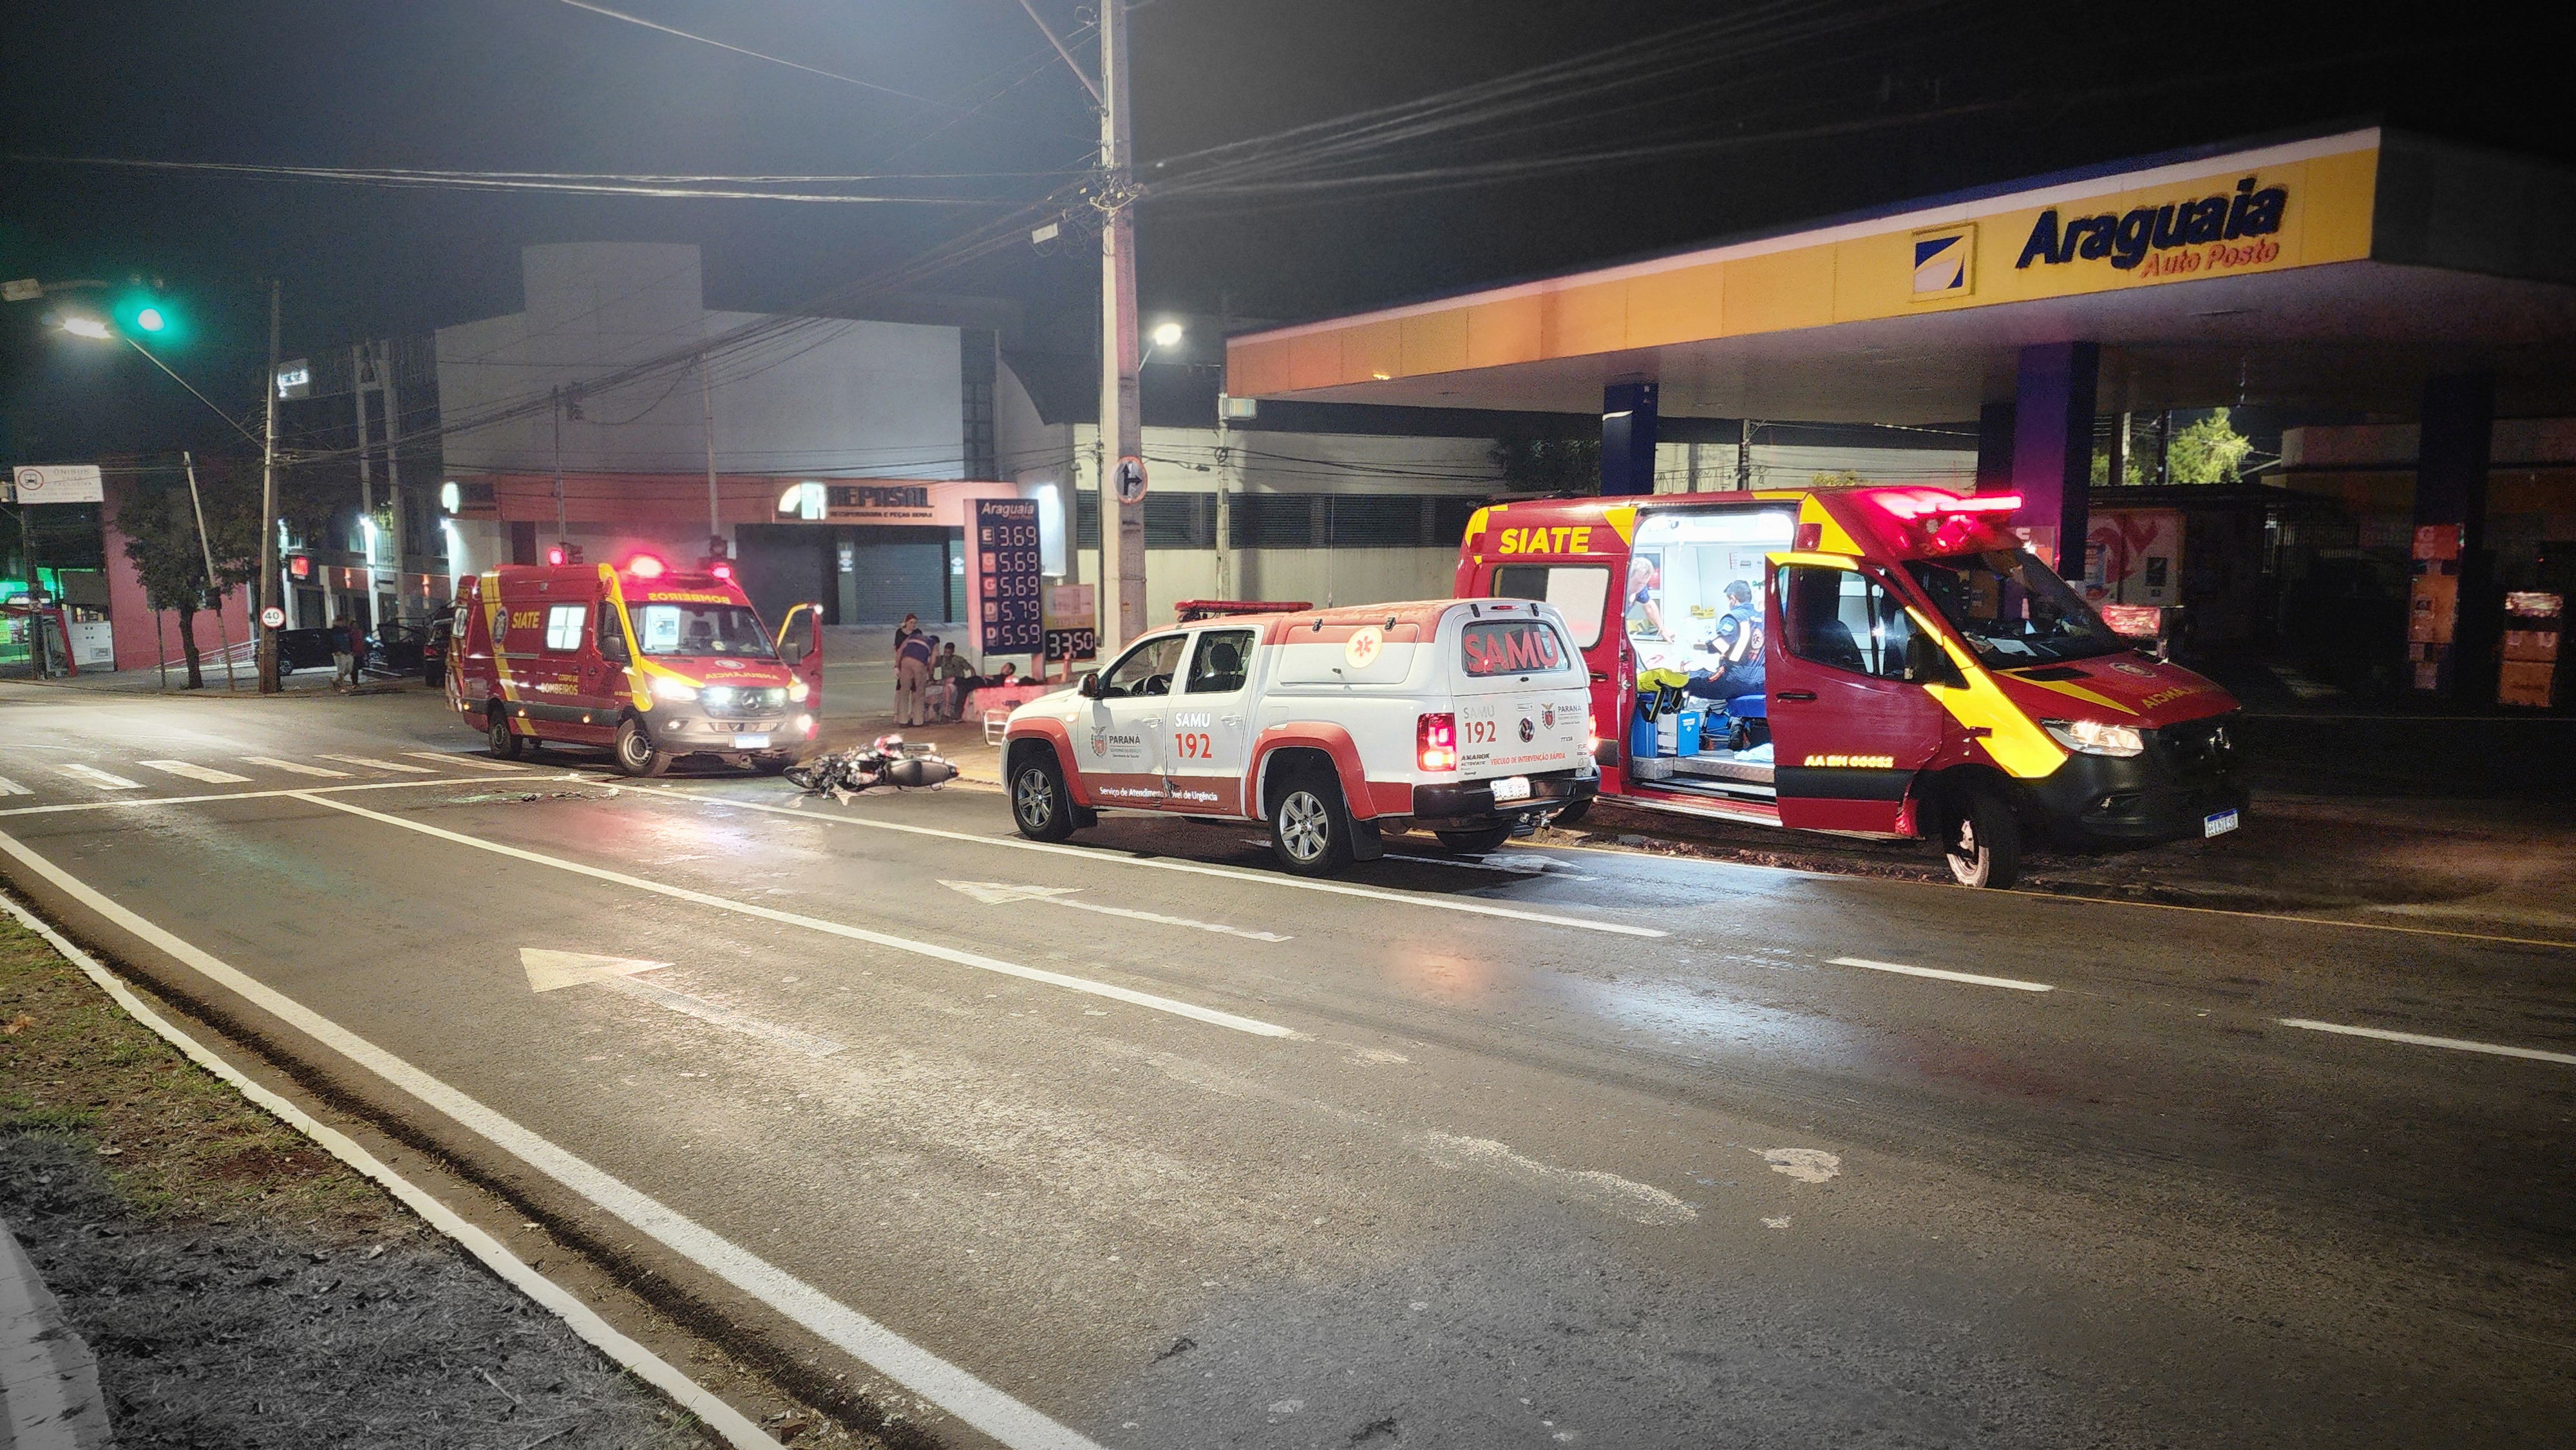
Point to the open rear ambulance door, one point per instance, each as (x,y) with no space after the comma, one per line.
(800,647)
(1848,729)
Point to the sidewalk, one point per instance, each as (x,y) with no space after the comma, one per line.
(49,1397)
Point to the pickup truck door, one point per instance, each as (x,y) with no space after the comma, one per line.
(1119,745)
(800,648)
(1849,725)
(1207,732)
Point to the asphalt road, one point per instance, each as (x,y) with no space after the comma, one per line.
(1138,1142)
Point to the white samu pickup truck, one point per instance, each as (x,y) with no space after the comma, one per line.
(1468,717)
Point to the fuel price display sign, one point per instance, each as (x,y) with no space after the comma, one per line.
(1007,577)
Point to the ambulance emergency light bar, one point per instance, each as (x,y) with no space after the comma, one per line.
(1912,506)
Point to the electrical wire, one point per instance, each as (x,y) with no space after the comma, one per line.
(507,181)
(597,9)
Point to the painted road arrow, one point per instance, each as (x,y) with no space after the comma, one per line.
(994,893)
(552,971)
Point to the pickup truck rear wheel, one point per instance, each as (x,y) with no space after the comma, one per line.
(1475,843)
(1310,828)
(1040,805)
(1981,839)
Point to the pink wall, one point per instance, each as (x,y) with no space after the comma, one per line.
(131,616)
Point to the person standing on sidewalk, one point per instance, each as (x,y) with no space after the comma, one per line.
(343,672)
(911,677)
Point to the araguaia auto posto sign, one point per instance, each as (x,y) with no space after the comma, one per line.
(2205,234)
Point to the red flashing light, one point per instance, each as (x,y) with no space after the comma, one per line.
(555,554)
(645,566)
(1435,741)
(1919,505)
(723,571)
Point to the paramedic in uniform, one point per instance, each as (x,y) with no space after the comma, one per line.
(911,677)
(1738,647)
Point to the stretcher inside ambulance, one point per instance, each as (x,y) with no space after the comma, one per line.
(1873,661)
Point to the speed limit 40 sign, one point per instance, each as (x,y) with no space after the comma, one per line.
(273,617)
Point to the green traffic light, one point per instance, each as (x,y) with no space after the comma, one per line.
(145,313)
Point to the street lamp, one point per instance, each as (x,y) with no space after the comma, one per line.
(1165,334)
(89,327)
(97,330)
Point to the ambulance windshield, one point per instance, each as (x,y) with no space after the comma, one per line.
(2013,610)
(701,629)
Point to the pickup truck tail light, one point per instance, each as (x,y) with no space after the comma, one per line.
(1591,732)
(1435,741)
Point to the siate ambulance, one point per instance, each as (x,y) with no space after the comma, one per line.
(653,663)
(1872,661)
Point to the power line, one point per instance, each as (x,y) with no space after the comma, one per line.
(752,189)
(596,9)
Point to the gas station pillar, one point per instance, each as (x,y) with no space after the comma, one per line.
(2052,446)
(1627,439)
(2447,625)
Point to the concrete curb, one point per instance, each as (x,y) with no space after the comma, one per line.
(728,1423)
(49,1397)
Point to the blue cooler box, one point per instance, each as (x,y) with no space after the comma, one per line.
(1686,733)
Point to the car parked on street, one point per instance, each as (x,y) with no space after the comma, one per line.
(1467,717)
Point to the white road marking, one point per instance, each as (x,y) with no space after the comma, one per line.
(156,802)
(2417,1039)
(379,764)
(295,767)
(477,761)
(550,971)
(1473,864)
(1629,1199)
(206,773)
(11,787)
(994,893)
(93,776)
(834,928)
(943,1384)
(1807,1165)
(1971,978)
(1158,863)
(732,1424)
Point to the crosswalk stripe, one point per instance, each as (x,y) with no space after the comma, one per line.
(206,773)
(476,761)
(381,764)
(273,763)
(99,778)
(11,787)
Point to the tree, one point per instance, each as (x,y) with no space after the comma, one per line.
(2207,451)
(1844,478)
(1549,465)
(160,528)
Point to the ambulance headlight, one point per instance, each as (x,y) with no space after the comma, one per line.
(798,691)
(678,692)
(717,696)
(2094,737)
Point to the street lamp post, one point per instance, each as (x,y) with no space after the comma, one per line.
(268,591)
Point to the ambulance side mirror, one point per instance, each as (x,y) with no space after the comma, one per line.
(612,646)
(1089,688)
(1926,663)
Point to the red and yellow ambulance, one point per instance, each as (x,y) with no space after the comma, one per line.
(1873,661)
(653,663)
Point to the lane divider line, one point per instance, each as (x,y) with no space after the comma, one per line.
(11,787)
(736,1427)
(206,773)
(2014,984)
(1156,863)
(933,950)
(943,1384)
(379,764)
(131,802)
(94,776)
(479,762)
(2417,1039)
(295,767)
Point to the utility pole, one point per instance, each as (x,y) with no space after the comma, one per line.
(269,595)
(557,394)
(1226,467)
(707,411)
(1744,456)
(393,473)
(1122,525)
(362,365)
(214,589)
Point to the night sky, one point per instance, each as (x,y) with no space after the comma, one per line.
(1769,115)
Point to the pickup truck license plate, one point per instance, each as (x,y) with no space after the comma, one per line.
(751,742)
(1511,788)
(2217,823)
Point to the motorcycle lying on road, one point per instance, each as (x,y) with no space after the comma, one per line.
(886,760)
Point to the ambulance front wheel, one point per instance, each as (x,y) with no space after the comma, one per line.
(635,752)
(505,742)
(1040,805)
(1310,827)
(1981,839)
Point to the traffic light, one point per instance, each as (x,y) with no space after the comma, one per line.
(147,313)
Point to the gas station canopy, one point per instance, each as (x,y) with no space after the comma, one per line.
(2337,272)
